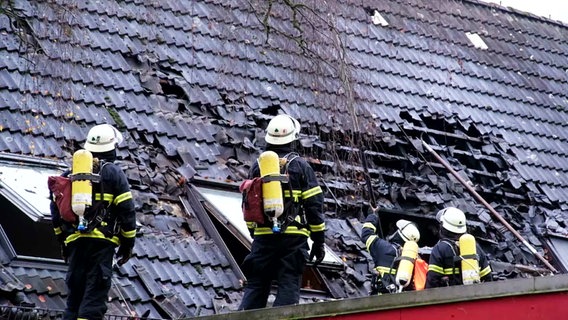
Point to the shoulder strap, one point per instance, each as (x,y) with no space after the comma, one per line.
(103,166)
(398,250)
(101,179)
(101,185)
(291,208)
(291,156)
(101,211)
(455,250)
(450,244)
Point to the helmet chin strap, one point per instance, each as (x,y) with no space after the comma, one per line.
(402,235)
(396,237)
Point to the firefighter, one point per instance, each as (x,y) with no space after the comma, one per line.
(445,260)
(282,255)
(386,253)
(89,253)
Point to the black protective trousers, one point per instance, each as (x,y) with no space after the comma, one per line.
(89,278)
(278,257)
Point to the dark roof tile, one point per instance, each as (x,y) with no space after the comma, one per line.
(126,289)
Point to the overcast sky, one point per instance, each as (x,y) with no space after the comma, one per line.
(553,9)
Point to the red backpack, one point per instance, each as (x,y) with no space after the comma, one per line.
(253,210)
(60,187)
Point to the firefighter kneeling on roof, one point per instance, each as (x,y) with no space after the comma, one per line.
(105,220)
(456,259)
(280,248)
(392,273)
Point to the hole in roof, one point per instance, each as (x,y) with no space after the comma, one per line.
(378,19)
(272,110)
(172,89)
(476,40)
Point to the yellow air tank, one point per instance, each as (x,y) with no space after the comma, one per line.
(469,260)
(81,187)
(273,203)
(406,265)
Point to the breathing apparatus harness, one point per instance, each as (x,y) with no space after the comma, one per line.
(291,206)
(97,216)
(385,282)
(469,261)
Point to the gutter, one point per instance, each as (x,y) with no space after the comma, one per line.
(374,306)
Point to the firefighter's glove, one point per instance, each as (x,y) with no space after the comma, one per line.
(124,252)
(318,252)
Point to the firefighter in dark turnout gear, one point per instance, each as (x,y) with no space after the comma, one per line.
(281,257)
(90,253)
(385,252)
(444,265)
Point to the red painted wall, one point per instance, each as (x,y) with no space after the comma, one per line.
(528,307)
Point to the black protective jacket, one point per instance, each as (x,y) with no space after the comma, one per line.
(383,252)
(444,268)
(385,256)
(306,194)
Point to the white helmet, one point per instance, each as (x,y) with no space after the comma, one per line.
(103,138)
(452,219)
(282,129)
(408,230)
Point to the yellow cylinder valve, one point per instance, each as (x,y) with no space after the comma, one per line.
(273,202)
(406,265)
(81,186)
(469,259)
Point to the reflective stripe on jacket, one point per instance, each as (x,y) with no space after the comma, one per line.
(383,252)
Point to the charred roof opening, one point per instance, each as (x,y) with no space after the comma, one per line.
(170,88)
(378,19)
(272,110)
(476,40)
